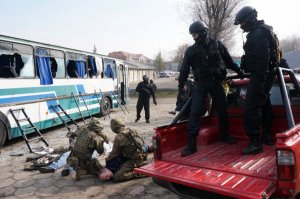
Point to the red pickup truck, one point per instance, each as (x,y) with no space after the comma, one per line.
(220,170)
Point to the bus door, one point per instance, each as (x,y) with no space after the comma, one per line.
(123,83)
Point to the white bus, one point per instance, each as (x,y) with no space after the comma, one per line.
(36,75)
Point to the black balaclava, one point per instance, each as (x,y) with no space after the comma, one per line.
(145,79)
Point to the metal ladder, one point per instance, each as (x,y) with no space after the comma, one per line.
(80,94)
(29,128)
(77,104)
(61,114)
(121,105)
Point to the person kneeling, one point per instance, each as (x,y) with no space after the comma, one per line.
(129,152)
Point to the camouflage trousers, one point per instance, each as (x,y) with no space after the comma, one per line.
(84,167)
(126,172)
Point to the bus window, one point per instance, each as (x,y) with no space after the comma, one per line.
(76,65)
(92,66)
(55,59)
(110,68)
(57,64)
(120,71)
(99,66)
(16,60)
(44,67)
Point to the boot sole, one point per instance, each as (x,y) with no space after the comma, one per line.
(191,152)
(254,152)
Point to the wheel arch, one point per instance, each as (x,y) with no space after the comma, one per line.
(4,120)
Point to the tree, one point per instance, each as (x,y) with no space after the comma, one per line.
(218,15)
(159,62)
(179,53)
(290,44)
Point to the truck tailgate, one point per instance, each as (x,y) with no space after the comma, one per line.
(225,183)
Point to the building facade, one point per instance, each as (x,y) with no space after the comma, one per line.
(138,65)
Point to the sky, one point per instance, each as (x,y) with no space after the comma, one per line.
(136,26)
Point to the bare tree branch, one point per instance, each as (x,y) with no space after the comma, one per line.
(290,44)
(218,15)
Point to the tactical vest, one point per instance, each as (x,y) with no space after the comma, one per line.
(81,148)
(211,64)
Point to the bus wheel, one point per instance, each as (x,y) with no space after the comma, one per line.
(4,128)
(106,106)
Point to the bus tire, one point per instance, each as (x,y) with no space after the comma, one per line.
(106,106)
(4,129)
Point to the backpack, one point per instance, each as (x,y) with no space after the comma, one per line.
(275,54)
(136,140)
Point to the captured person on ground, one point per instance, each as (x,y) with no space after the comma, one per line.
(49,163)
(261,57)
(145,91)
(88,140)
(61,161)
(209,59)
(129,152)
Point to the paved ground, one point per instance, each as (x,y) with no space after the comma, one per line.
(16,183)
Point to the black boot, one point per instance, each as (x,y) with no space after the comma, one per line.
(254,147)
(228,139)
(267,140)
(191,146)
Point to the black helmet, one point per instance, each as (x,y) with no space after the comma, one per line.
(145,78)
(246,14)
(198,27)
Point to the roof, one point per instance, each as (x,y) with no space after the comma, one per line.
(137,65)
(293,59)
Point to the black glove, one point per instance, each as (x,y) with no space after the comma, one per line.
(241,74)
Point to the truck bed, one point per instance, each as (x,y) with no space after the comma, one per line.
(228,158)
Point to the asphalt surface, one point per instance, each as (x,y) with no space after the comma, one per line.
(17,183)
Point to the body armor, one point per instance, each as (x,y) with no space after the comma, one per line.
(81,147)
(208,62)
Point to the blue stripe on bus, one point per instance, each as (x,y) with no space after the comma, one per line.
(25,98)
(80,88)
(53,103)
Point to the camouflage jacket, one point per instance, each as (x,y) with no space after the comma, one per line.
(86,142)
(124,146)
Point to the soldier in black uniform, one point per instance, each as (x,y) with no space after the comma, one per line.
(145,91)
(208,59)
(260,59)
